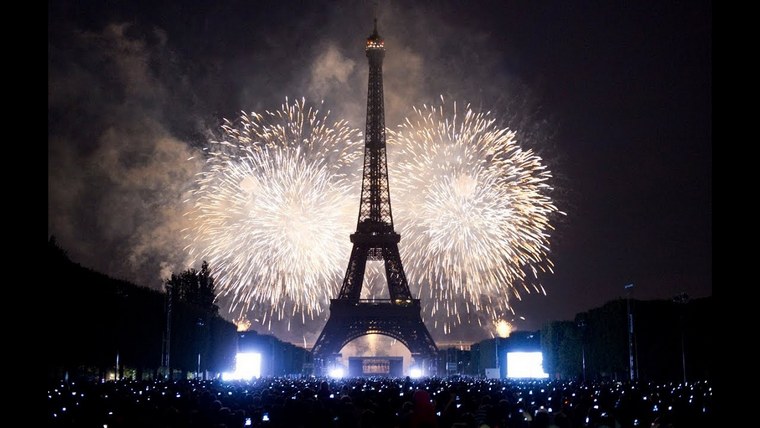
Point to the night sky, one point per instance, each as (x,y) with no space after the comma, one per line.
(615,96)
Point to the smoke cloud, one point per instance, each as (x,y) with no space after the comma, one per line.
(116,173)
(133,97)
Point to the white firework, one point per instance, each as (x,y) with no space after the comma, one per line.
(272,209)
(473,209)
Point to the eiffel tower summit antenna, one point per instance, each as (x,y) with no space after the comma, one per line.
(375,239)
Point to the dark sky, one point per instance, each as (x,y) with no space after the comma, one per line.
(616,96)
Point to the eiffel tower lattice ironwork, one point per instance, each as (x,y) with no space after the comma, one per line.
(375,239)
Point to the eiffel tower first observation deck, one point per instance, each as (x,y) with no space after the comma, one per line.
(375,239)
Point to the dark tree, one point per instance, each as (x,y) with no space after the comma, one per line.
(206,290)
(97,320)
(195,335)
(561,345)
(194,288)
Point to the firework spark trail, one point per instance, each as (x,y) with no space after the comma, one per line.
(473,209)
(272,210)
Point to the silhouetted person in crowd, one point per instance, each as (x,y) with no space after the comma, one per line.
(541,420)
(484,411)
(324,391)
(423,412)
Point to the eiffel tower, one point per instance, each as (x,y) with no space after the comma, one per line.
(397,317)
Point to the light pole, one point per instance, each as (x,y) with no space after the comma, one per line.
(198,371)
(201,324)
(496,347)
(582,327)
(629,290)
(167,332)
(682,299)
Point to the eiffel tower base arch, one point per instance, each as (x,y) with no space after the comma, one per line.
(351,319)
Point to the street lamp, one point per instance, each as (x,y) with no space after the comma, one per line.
(629,290)
(682,299)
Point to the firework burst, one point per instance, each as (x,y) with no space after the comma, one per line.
(272,210)
(473,210)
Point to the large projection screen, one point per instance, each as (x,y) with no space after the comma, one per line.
(522,365)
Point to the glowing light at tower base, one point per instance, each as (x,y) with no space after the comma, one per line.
(415,373)
(337,372)
(247,367)
(525,365)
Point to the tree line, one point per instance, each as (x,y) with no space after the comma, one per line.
(668,335)
(98,323)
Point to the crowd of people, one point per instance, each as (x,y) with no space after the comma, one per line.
(377,403)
